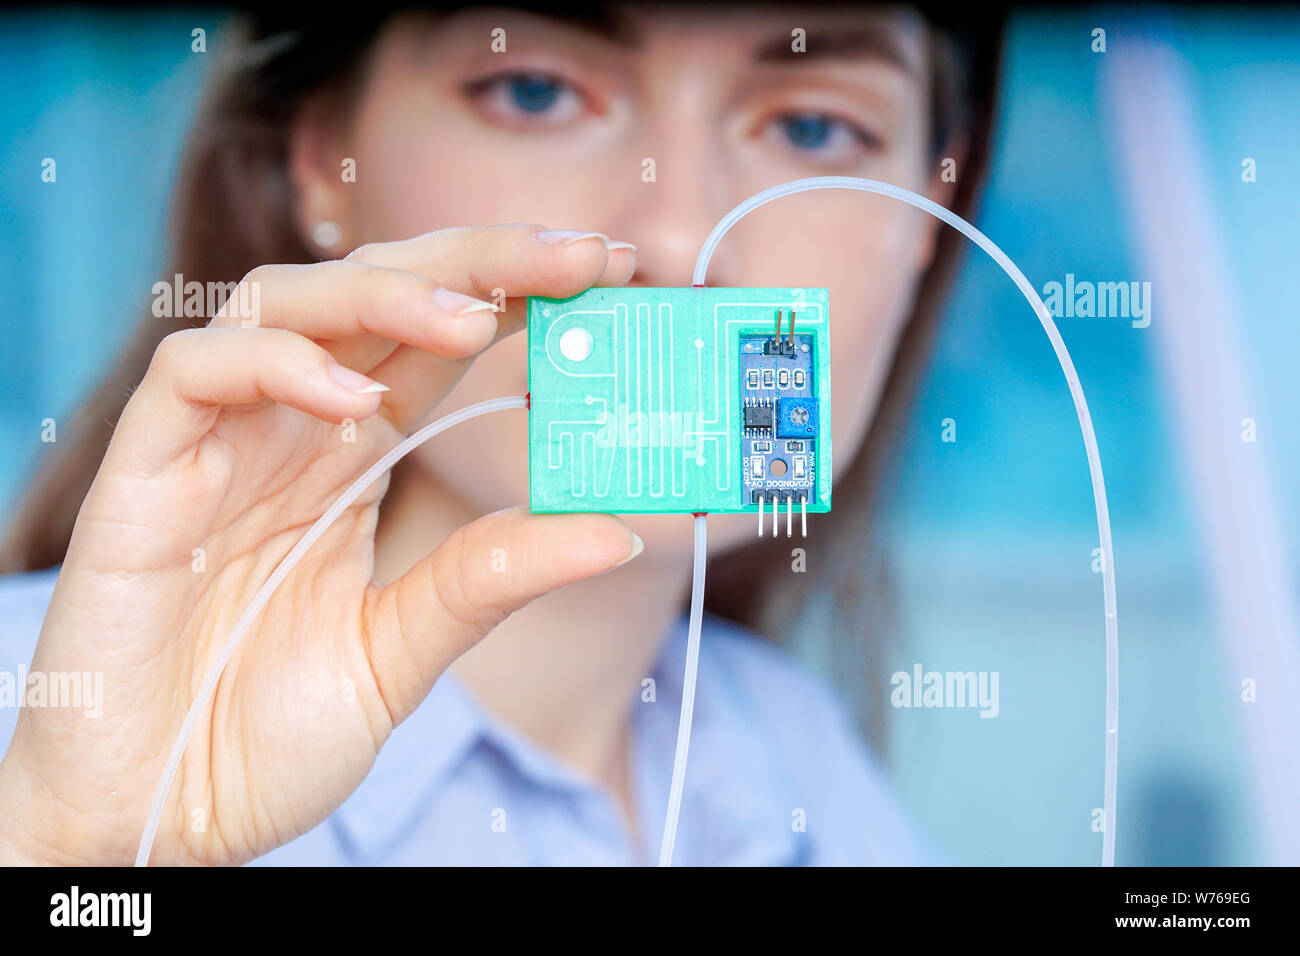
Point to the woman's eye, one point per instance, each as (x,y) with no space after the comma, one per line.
(527,97)
(533,92)
(827,136)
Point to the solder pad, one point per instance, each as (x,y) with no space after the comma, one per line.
(638,400)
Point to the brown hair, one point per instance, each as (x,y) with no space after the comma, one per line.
(233,211)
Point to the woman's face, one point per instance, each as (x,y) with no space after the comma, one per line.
(557,129)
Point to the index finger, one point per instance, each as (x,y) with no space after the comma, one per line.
(517,259)
(510,260)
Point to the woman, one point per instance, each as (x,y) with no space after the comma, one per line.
(551,741)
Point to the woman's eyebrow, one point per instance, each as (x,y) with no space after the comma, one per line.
(868,43)
(600,22)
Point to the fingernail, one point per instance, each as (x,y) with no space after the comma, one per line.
(612,244)
(637,547)
(562,237)
(457,303)
(354,381)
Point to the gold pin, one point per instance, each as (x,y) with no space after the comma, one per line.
(778,330)
(778,325)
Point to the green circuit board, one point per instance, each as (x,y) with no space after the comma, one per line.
(677,400)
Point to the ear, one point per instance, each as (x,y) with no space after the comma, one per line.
(316,151)
(942,189)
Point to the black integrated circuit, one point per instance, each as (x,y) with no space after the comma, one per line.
(758,417)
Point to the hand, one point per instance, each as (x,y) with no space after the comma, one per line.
(228,451)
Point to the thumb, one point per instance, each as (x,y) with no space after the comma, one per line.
(418,625)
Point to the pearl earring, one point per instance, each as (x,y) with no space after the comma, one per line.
(327,234)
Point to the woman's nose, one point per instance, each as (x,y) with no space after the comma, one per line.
(670,216)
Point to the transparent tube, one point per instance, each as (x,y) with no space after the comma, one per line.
(287,564)
(688,692)
(1080,407)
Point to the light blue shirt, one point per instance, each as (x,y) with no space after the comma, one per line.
(776,774)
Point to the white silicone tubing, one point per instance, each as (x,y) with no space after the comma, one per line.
(1080,407)
(688,692)
(412,442)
